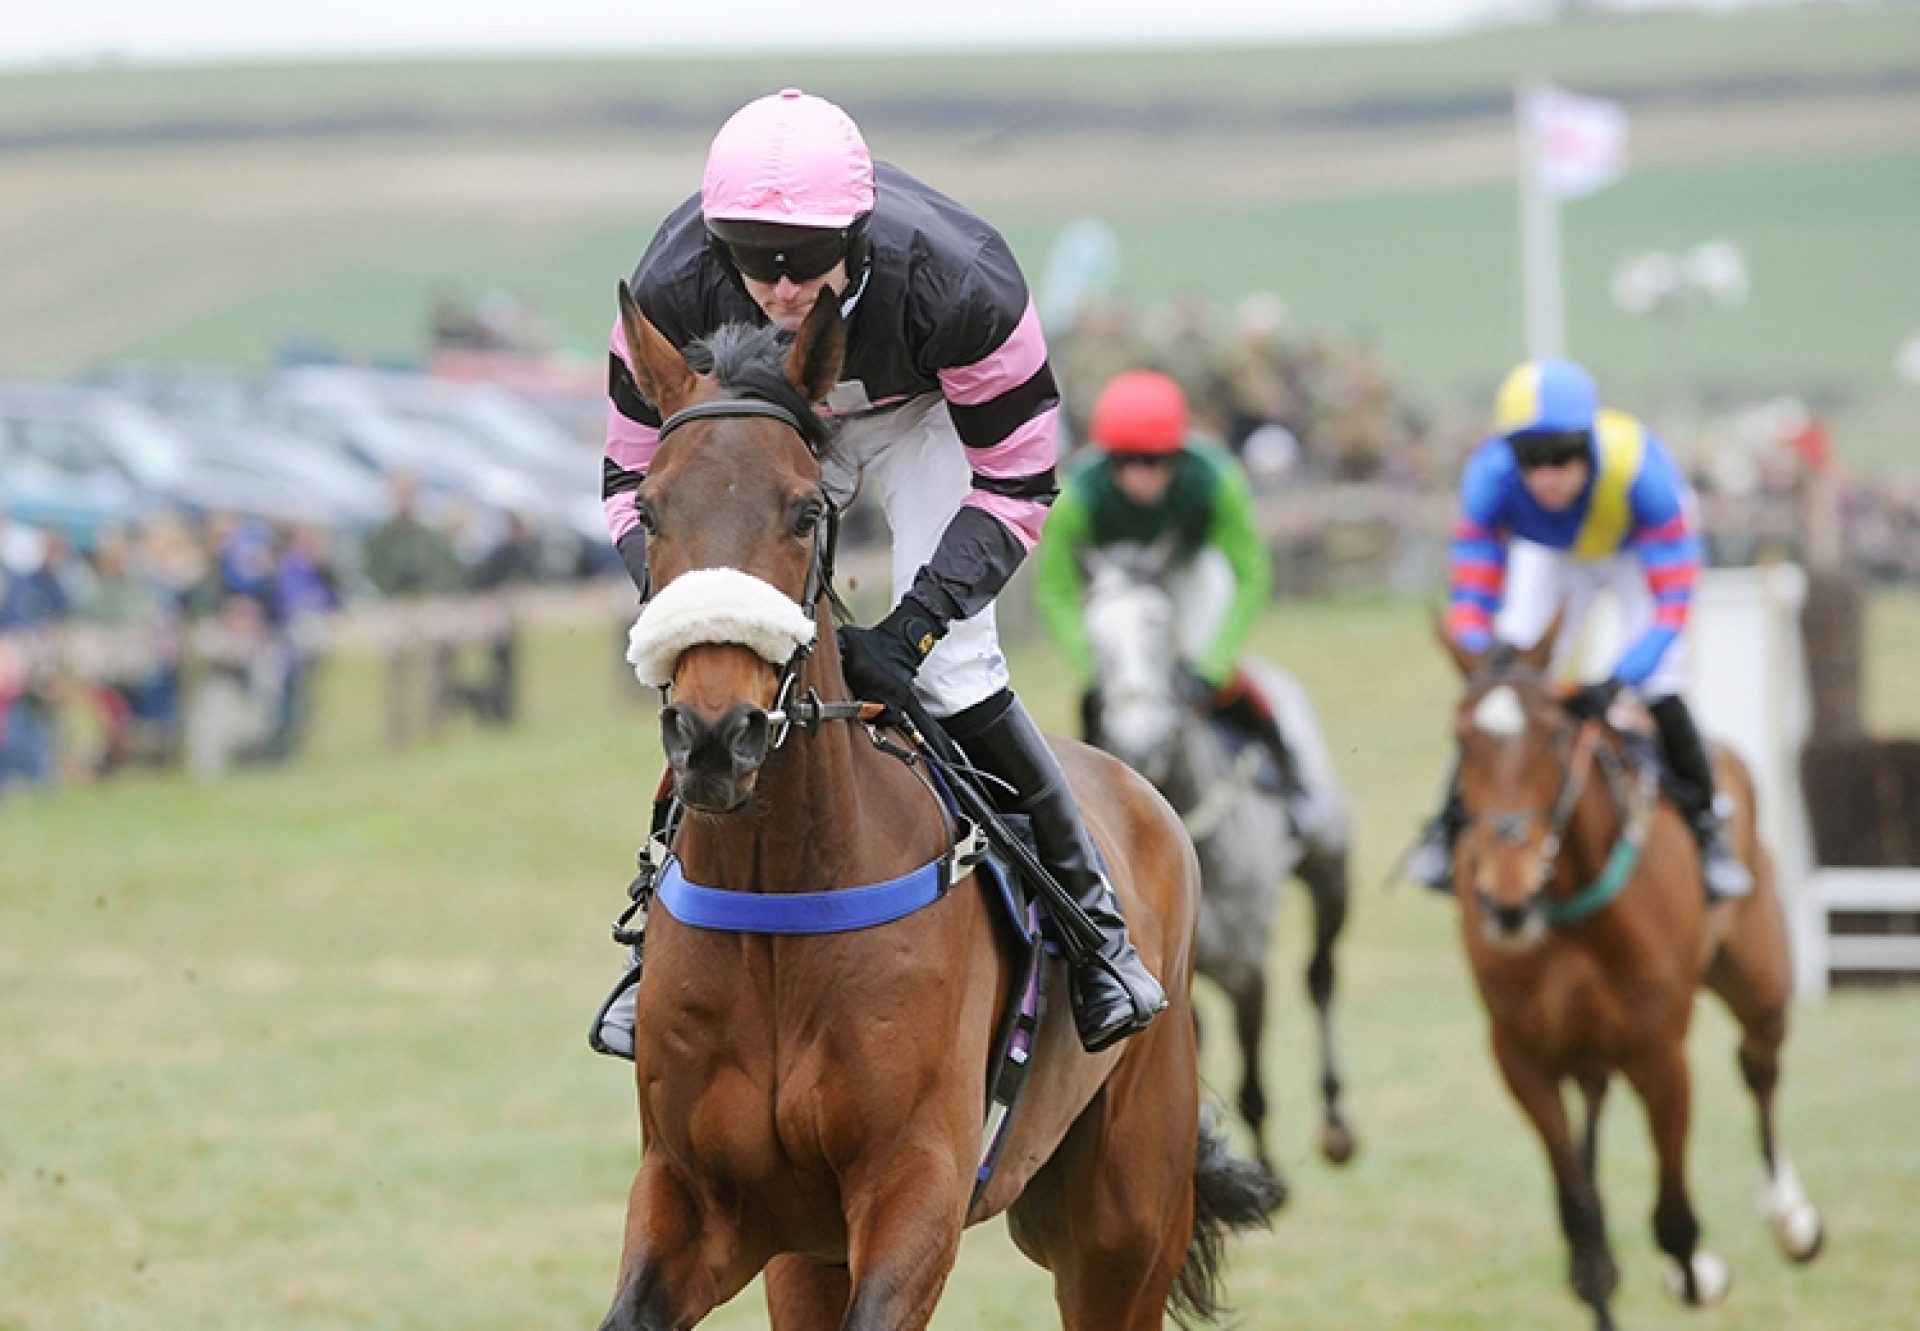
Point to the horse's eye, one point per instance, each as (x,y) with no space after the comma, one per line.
(649,520)
(808,518)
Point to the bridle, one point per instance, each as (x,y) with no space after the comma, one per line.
(808,710)
(1580,750)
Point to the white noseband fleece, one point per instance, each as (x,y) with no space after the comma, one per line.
(714,605)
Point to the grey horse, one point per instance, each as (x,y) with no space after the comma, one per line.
(1247,847)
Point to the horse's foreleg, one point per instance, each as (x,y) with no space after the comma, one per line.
(1594,1088)
(805,1296)
(669,1279)
(1754,976)
(1326,879)
(1783,1202)
(1250,1022)
(903,1236)
(1664,1084)
(1590,1266)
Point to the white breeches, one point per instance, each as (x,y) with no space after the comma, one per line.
(912,461)
(1541,581)
(1202,590)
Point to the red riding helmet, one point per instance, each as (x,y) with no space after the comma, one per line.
(1141,411)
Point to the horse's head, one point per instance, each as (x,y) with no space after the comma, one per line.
(1516,784)
(1130,628)
(737,527)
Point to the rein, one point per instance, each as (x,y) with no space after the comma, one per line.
(1624,858)
(1205,818)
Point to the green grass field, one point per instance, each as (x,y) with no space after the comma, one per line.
(303,1050)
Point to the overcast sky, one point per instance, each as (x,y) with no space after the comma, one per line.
(39,30)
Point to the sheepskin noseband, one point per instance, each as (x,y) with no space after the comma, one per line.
(715,605)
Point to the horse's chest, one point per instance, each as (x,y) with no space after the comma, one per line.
(1577,1014)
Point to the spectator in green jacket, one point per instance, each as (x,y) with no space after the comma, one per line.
(1147,483)
(406,558)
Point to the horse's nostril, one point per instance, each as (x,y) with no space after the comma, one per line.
(747,731)
(675,738)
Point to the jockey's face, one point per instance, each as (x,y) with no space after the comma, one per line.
(1555,488)
(1143,479)
(787,302)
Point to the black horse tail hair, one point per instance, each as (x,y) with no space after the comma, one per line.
(1229,1194)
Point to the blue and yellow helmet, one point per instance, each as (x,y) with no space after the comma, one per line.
(1546,397)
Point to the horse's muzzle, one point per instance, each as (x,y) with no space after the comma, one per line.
(715,759)
(1512,922)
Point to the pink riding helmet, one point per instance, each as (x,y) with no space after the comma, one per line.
(790,159)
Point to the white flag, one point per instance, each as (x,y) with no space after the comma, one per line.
(1579,143)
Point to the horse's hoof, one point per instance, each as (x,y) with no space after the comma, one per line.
(1280,1189)
(1795,1223)
(1800,1233)
(1337,1143)
(1711,1280)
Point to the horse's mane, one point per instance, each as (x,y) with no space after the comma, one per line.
(751,360)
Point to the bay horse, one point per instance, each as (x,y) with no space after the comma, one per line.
(1247,847)
(1588,931)
(811,1106)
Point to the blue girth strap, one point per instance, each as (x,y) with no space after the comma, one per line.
(841,910)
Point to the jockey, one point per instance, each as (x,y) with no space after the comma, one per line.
(1568,500)
(945,413)
(1148,482)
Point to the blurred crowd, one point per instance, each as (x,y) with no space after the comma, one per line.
(186,631)
(1305,407)
(1356,476)
(197,641)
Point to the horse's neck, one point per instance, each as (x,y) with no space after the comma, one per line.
(1592,832)
(1199,762)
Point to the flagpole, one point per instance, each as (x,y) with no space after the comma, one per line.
(1539,230)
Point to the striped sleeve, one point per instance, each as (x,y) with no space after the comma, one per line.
(1667,540)
(1476,559)
(988,353)
(1006,408)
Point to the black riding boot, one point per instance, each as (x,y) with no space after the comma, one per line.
(1686,755)
(1112,993)
(1431,861)
(1090,713)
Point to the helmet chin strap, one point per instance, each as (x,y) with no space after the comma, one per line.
(856,286)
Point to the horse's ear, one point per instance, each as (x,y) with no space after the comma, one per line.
(1465,659)
(1540,655)
(813,365)
(660,372)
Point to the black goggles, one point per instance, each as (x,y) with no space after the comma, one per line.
(801,257)
(1145,461)
(1550,448)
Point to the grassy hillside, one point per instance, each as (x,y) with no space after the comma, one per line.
(193,214)
(303,1050)
(1625,55)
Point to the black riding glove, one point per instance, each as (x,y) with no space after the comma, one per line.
(1591,702)
(880,662)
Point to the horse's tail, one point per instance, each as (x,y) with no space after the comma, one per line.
(1228,1194)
